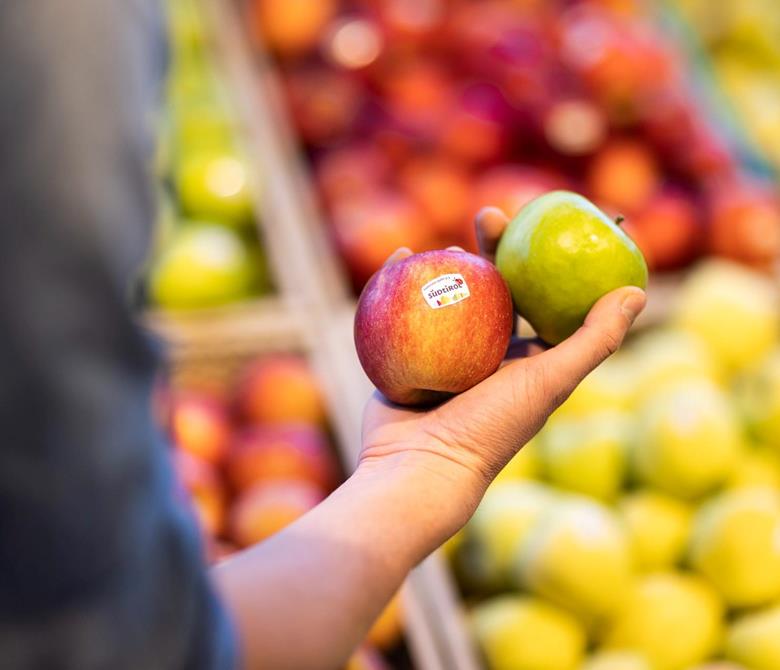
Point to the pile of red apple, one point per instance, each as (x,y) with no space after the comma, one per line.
(253,458)
(256,457)
(415,113)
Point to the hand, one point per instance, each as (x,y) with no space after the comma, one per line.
(463,443)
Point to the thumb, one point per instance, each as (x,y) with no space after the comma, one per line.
(599,337)
(495,417)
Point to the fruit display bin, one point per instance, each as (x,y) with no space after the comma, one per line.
(207,349)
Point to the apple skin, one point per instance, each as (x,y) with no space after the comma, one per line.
(416,354)
(669,230)
(745,223)
(266,508)
(623,175)
(368,229)
(203,265)
(280,389)
(560,254)
(267,453)
(200,425)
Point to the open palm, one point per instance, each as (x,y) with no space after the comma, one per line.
(476,432)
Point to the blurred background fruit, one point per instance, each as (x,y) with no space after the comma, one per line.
(521,633)
(673,618)
(734,544)
(210,254)
(453,105)
(754,639)
(671,543)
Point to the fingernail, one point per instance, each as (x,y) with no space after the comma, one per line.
(633,304)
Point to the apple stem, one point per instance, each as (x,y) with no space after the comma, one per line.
(619,219)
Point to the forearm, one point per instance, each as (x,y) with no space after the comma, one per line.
(305,598)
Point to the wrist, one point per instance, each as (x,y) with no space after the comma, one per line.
(430,495)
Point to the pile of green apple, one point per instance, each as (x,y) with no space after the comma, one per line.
(640,529)
(206,252)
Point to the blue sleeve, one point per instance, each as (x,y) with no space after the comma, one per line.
(99,566)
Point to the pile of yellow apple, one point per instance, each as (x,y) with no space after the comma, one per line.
(206,252)
(640,530)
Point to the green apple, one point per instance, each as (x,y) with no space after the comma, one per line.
(214,184)
(559,255)
(735,545)
(524,464)
(733,310)
(759,466)
(579,557)
(664,357)
(608,387)
(688,439)
(673,619)
(522,633)
(758,397)
(587,454)
(754,640)
(658,527)
(202,265)
(503,519)
(203,126)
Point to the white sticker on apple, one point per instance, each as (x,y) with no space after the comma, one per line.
(445,290)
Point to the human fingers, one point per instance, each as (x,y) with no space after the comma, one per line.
(490,223)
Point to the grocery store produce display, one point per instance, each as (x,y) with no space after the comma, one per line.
(639,528)
(207,252)
(415,115)
(250,462)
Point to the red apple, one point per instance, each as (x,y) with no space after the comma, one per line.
(623,175)
(409,21)
(417,92)
(290,27)
(280,388)
(510,187)
(200,425)
(745,223)
(442,191)
(351,170)
(324,102)
(668,230)
(433,325)
(477,127)
(266,508)
(281,452)
(205,490)
(369,229)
